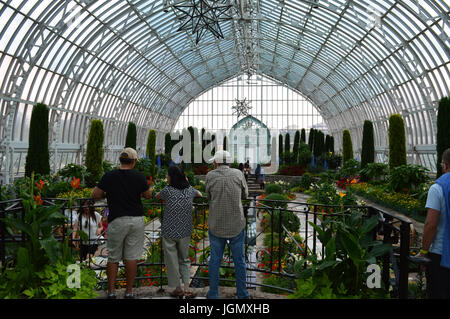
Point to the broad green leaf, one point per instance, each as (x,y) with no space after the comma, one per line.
(51,246)
(369,224)
(351,246)
(379,250)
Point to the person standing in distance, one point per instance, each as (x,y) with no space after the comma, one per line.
(225,188)
(123,189)
(436,234)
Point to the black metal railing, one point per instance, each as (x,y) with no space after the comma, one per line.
(391,229)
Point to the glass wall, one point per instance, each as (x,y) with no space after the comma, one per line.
(277,106)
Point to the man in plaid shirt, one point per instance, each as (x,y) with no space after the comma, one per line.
(225,188)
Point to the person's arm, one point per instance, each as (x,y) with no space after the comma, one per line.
(147,194)
(199,194)
(430,228)
(244,194)
(158,195)
(98,193)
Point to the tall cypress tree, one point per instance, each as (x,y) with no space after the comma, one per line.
(311,139)
(38,157)
(368,145)
(443,131)
(318,148)
(94,153)
(296,145)
(287,148)
(347,146)
(280,147)
(397,141)
(303,136)
(151,146)
(167,147)
(130,140)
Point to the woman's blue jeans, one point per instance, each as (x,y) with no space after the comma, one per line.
(217,245)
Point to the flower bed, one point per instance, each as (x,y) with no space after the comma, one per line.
(402,202)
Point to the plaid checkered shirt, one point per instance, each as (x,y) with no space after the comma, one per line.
(225,187)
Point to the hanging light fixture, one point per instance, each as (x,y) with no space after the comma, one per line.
(200,16)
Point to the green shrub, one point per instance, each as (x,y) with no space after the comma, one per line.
(304,154)
(368,146)
(94,153)
(279,200)
(407,177)
(397,141)
(130,140)
(38,157)
(73,170)
(151,146)
(443,131)
(351,168)
(319,144)
(147,167)
(333,160)
(377,171)
(108,166)
(347,146)
(288,220)
(306,181)
(273,188)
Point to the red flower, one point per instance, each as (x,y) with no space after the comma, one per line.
(75,183)
(38,199)
(40,185)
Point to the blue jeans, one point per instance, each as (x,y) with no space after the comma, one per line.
(217,245)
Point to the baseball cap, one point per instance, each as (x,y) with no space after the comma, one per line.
(129,153)
(222,157)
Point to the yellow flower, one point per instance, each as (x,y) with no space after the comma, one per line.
(342,194)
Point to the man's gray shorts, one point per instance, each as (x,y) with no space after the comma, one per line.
(125,238)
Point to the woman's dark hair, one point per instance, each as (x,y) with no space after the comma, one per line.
(177,178)
(241,166)
(90,204)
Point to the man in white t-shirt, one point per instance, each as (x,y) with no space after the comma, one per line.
(438,276)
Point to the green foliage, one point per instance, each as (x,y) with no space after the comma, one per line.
(94,153)
(306,181)
(397,141)
(73,170)
(349,249)
(368,145)
(277,200)
(168,144)
(407,177)
(351,168)
(443,131)
(108,166)
(304,154)
(147,167)
(333,160)
(327,194)
(287,149)
(151,146)
(376,171)
(347,146)
(273,188)
(38,158)
(130,139)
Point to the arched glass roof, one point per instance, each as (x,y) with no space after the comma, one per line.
(124,61)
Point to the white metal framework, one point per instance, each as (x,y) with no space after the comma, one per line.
(123,61)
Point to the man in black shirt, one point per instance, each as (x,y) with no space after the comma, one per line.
(123,189)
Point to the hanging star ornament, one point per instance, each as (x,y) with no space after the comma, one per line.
(241,108)
(200,16)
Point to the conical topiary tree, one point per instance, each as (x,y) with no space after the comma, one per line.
(94,153)
(296,145)
(150,151)
(130,140)
(167,147)
(280,147)
(303,136)
(287,147)
(38,158)
(443,131)
(397,141)
(318,147)
(311,139)
(347,146)
(368,145)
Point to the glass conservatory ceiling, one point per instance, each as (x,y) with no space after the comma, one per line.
(126,60)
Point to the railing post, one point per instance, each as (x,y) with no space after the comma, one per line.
(280,230)
(404,253)
(385,259)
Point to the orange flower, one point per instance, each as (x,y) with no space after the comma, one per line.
(38,199)
(353,181)
(75,183)
(40,185)
(341,194)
